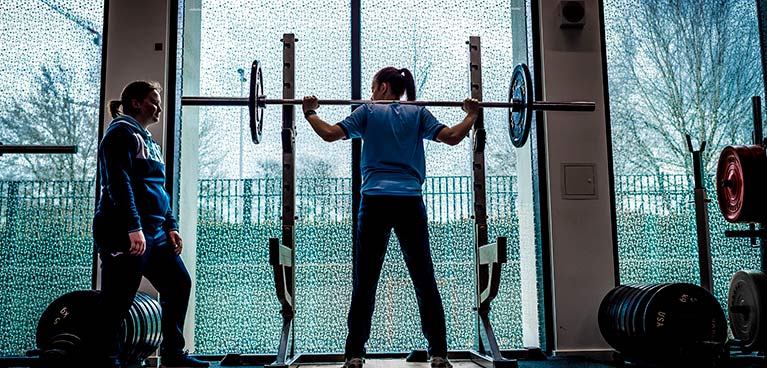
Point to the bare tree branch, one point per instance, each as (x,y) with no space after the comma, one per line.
(680,67)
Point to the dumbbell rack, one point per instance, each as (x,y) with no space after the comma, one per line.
(758,238)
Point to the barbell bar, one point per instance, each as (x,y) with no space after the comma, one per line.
(519,104)
(36,149)
(262,101)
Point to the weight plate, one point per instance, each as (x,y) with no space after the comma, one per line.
(521,92)
(681,315)
(71,313)
(255,109)
(745,301)
(740,183)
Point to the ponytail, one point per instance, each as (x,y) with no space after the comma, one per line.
(409,84)
(114,108)
(400,81)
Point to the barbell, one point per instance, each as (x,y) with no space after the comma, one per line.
(519,105)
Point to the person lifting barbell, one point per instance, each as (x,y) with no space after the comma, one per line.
(393,171)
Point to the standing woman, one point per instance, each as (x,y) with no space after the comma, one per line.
(134,229)
(393,171)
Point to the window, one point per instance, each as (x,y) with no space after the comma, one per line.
(675,68)
(50,75)
(231,189)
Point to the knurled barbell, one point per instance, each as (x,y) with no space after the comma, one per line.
(519,104)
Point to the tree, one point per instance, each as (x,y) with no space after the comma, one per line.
(210,154)
(51,115)
(680,67)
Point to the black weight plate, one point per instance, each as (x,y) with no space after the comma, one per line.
(255,110)
(71,313)
(637,322)
(65,345)
(614,310)
(618,311)
(632,317)
(624,311)
(606,314)
(683,314)
(521,117)
(603,315)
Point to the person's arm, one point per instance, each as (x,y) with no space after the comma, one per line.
(327,132)
(455,134)
(170,223)
(118,153)
(171,227)
(117,161)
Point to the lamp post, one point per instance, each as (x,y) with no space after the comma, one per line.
(241,72)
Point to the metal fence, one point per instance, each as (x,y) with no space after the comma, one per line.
(657,194)
(329,199)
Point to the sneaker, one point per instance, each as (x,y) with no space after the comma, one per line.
(440,362)
(353,363)
(181,360)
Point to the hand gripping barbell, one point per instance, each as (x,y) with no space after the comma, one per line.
(519,105)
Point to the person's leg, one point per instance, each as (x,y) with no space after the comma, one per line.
(168,274)
(120,278)
(412,231)
(373,232)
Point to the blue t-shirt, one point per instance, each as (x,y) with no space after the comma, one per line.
(393,161)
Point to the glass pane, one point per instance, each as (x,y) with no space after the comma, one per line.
(50,70)
(429,38)
(674,68)
(239,184)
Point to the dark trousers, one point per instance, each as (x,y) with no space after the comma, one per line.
(120,278)
(378,215)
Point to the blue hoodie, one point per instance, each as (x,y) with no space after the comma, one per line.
(132,177)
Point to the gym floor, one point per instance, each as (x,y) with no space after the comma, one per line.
(557,362)
(397,363)
(394,363)
(550,363)
(400,363)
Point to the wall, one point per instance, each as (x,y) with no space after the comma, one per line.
(580,227)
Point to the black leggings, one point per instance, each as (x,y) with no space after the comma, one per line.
(378,215)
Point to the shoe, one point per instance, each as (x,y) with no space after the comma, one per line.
(440,362)
(354,363)
(181,360)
